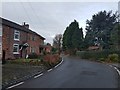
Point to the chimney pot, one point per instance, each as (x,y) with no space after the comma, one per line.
(25,25)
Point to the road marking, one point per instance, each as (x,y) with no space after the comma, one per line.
(38,75)
(61,61)
(56,66)
(117,70)
(15,85)
(59,64)
(49,70)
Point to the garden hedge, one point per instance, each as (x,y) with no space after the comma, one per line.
(97,55)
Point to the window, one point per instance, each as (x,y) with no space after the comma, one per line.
(32,49)
(16,49)
(16,35)
(33,38)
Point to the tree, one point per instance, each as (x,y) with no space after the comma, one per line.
(115,37)
(77,39)
(72,37)
(99,29)
(57,42)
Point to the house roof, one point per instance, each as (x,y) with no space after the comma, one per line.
(17,26)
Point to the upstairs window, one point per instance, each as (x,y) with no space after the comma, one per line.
(32,49)
(33,38)
(16,49)
(16,35)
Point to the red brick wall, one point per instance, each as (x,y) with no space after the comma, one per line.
(35,44)
(8,41)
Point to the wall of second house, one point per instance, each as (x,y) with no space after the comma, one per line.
(34,42)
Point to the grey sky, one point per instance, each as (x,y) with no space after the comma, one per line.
(51,18)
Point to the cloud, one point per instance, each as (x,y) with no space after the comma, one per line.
(51,18)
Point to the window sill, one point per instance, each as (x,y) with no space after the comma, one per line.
(16,53)
(16,39)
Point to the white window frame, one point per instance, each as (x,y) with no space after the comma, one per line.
(32,49)
(16,32)
(16,45)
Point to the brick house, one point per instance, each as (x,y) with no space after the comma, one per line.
(18,41)
(47,48)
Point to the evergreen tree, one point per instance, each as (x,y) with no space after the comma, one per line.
(73,37)
(77,39)
(115,37)
(99,29)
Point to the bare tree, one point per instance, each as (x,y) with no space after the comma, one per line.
(57,42)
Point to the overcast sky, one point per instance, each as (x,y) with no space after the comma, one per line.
(51,18)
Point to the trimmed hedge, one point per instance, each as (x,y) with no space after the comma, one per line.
(97,55)
(26,61)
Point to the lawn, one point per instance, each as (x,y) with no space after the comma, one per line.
(15,72)
(20,69)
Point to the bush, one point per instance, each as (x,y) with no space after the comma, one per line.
(51,60)
(32,56)
(54,50)
(113,57)
(97,55)
(102,59)
(25,61)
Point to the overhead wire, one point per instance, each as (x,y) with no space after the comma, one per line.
(36,15)
(27,15)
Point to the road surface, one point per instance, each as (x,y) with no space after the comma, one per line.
(76,73)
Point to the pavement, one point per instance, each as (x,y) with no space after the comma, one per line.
(74,73)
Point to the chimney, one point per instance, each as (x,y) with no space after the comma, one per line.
(25,25)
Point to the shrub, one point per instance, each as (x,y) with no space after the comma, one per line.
(54,50)
(25,61)
(97,55)
(113,57)
(32,56)
(51,59)
(102,59)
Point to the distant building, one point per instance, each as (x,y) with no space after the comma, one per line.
(95,48)
(18,41)
(47,48)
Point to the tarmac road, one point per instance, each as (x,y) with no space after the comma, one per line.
(76,73)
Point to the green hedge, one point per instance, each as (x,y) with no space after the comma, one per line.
(26,61)
(97,55)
